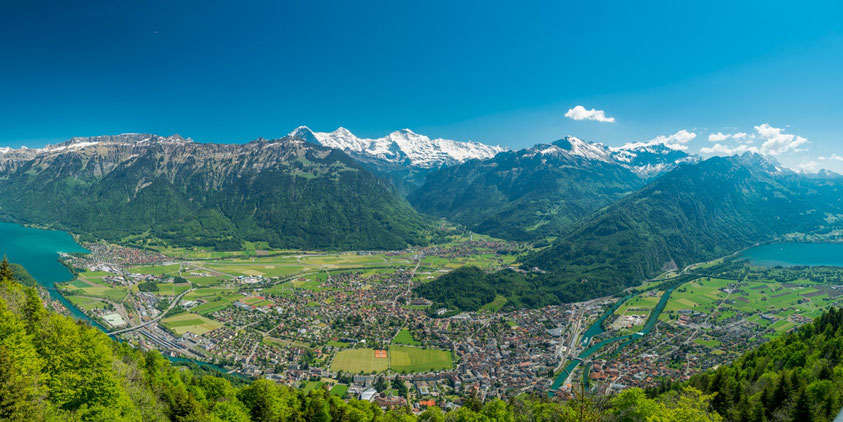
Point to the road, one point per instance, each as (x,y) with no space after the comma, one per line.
(156,319)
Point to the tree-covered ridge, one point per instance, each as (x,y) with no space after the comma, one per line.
(796,377)
(694,213)
(469,288)
(526,194)
(130,188)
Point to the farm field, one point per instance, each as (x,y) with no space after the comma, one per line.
(495,305)
(86,303)
(642,304)
(171,269)
(190,322)
(171,289)
(215,303)
(83,287)
(751,298)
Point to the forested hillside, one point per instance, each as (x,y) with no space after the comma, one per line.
(527,194)
(692,214)
(145,189)
(796,377)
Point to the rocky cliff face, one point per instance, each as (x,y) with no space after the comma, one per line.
(173,190)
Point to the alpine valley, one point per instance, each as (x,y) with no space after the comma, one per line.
(344,278)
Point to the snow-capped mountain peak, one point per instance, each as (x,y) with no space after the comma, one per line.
(578,147)
(401,146)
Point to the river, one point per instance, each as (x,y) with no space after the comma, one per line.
(597,328)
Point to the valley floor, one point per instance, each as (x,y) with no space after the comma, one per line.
(338,319)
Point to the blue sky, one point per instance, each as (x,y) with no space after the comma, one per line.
(500,73)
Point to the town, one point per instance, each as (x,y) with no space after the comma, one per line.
(349,322)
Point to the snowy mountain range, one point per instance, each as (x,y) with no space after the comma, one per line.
(401,147)
(647,161)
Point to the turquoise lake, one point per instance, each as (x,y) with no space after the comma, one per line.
(790,254)
(38,251)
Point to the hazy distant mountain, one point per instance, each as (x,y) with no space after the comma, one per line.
(284,191)
(694,213)
(403,156)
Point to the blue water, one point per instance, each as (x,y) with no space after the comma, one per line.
(38,251)
(792,254)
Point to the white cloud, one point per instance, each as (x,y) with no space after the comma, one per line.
(721,149)
(832,157)
(675,141)
(717,137)
(809,167)
(581,113)
(720,136)
(776,142)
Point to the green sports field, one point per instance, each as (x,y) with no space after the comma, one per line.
(359,361)
(414,359)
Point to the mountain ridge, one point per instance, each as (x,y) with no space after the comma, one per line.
(284,191)
(538,191)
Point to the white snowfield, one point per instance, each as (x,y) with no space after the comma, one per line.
(402,146)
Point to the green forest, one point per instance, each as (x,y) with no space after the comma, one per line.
(291,196)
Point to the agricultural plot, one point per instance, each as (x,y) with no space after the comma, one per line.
(190,322)
(701,295)
(215,303)
(312,385)
(642,304)
(256,301)
(171,269)
(171,289)
(209,292)
(203,281)
(82,287)
(86,303)
(495,305)
(751,299)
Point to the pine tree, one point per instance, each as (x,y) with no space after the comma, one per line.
(6,272)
